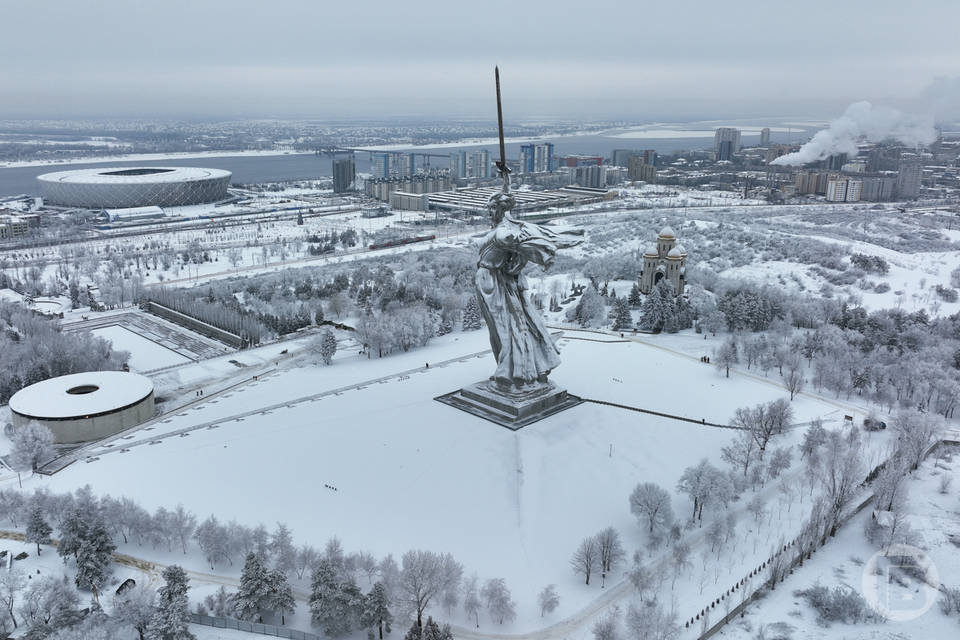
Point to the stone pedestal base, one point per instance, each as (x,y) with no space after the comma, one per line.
(512,411)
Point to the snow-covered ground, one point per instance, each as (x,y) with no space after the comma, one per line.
(506,504)
(145,355)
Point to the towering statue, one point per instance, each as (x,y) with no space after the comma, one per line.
(518,392)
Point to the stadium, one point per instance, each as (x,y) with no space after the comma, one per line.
(127,187)
(81,407)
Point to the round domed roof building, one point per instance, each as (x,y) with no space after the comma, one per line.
(666,259)
(81,407)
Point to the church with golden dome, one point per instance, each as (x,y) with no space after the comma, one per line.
(666,259)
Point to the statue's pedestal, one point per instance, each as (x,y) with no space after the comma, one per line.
(511,410)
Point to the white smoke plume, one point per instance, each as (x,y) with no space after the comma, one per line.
(862,120)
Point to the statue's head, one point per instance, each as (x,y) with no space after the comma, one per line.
(498,206)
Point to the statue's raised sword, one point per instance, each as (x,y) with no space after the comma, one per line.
(502,162)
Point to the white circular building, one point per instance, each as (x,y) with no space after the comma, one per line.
(81,407)
(129,187)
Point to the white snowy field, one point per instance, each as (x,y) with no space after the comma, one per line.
(145,355)
(411,472)
(932,515)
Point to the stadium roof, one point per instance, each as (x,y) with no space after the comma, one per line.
(81,394)
(133,175)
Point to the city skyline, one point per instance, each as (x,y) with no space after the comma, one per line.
(125,59)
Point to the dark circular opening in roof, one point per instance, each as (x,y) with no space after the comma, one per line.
(135,172)
(82,389)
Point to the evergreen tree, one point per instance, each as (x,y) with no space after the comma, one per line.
(280,594)
(472,319)
(252,595)
(94,557)
(621,315)
(170,620)
(328,347)
(652,310)
(433,631)
(334,604)
(38,530)
(376,612)
(634,299)
(73,531)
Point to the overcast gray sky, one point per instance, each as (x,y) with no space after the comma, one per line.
(638,60)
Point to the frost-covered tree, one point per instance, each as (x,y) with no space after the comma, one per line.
(590,310)
(424,576)
(650,621)
(472,319)
(182,525)
(335,601)
(610,549)
(471,599)
(608,626)
(548,599)
(328,347)
(94,557)
(726,356)
(740,453)
(780,461)
(219,603)
(586,558)
(135,607)
(916,433)
(307,556)
(764,422)
(279,594)
(251,598)
(12,583)
(49,604)
(171,619)
(284,553)
(651,501)
(641,576)
(621,315)
(499,603)
(212,538)
(32,446)
(376,610)
(38,531)
(702,482)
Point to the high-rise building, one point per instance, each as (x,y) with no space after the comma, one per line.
(650,157)
(877,189)
(765,137)
(640,170)
(594,176)
(458,164)
(841,189)
(478,164)
(536,158)
(908,178)
(380,166)
(726,142)
(835,162)
(344,174)
(621,157)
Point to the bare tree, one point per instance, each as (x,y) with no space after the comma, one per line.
(611,551)
(548,599)
(424,575)
(652,502)
(499,604)
(586,558)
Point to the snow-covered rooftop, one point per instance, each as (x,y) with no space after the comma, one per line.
(674,253)
(667,232)
(133,175)
(652,251)
(81,394)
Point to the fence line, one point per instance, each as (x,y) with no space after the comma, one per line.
(220,622)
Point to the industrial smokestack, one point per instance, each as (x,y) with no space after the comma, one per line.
(862,120)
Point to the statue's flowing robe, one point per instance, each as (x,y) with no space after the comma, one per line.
(524,350)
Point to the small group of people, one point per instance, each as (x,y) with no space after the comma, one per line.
(705,359)
(200,393)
